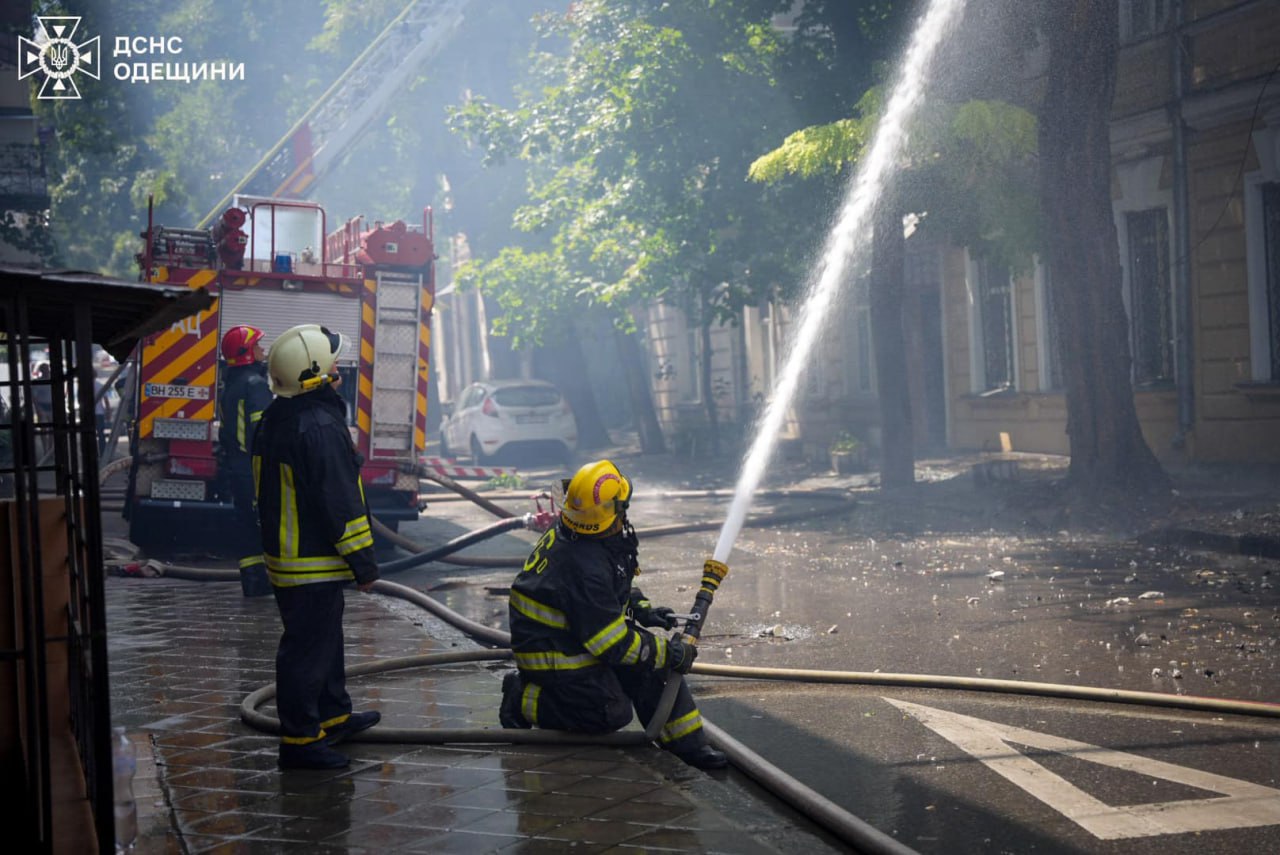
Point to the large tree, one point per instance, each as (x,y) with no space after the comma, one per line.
(1108,451)
(638,134)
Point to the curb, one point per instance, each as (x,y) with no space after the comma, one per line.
(1262,546)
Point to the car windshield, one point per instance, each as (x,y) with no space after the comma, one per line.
(527,396)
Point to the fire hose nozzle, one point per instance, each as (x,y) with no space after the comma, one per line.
(713,573)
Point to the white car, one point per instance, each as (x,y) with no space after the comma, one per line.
(497,416)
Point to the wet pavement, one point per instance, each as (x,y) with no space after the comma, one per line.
(952,580)
(184,654)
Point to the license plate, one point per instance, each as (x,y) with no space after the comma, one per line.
(531,420)
(170,390)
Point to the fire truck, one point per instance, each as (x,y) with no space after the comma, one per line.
(271,263)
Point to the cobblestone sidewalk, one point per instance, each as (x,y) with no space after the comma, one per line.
(184,654)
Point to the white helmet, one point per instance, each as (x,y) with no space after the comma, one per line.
(302,359)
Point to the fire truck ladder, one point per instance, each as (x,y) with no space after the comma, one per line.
(395,366)
(338,117)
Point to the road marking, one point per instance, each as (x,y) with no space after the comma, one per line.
(1242,804)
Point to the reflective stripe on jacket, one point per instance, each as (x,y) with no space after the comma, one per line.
(311,505)
(568,609)
(245,397)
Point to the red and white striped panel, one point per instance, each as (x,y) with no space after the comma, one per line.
(453,469)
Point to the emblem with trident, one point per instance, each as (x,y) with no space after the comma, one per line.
(58,57)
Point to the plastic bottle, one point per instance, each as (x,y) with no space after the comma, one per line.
(125,763)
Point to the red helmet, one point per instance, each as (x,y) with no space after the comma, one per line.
(237,345)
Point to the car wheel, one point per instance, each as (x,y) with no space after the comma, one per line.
(477,454)
(445,451)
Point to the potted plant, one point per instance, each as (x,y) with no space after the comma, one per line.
(848,453)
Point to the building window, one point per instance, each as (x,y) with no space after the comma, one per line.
(1047,331)
(858,360)
(1150,297)
(995,324)
(1141,19)
(1271,240)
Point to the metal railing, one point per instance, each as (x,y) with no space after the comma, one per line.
(50,501)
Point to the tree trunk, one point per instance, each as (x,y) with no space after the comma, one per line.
(704,372)
(1108,451)
(897,452)
(562,363)
(633,368)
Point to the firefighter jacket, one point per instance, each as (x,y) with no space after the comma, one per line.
(311,505)
(568,609)
(245,397)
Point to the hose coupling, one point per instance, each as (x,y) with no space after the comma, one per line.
(539,520)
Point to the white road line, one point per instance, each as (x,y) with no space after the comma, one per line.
(1241,804)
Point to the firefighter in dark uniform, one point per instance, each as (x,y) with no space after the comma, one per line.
(583,656)
(245,397)
(316,539)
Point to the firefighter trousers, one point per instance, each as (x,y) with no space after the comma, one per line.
(311,688)
(599,700)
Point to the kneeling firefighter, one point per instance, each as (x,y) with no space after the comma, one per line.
(577,633)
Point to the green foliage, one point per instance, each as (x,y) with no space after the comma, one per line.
(845,443)
(637,123)
(506,481)
(969,169)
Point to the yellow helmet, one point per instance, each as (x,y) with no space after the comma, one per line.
(594,497)
(302,359)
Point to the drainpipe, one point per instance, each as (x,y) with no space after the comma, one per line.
(1183,344)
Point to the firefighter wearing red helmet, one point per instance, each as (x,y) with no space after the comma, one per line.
(317,538)
(245,397)
(578,628)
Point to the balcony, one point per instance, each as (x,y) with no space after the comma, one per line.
(22,179)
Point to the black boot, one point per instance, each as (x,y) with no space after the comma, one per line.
(509,713)
(705,757)
(355,723)
(313,755)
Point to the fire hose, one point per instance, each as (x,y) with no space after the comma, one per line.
(832,817)
(847,827)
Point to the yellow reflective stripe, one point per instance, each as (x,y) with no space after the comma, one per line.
(256,417)
(356,536)
(288,512)
(614,632)
(241,424)
(681,727)
(659,652)
(301,740)
(536,611)
(552,660)
(335,721)
(290,564)
(292,580)
(250,561)
(356,526)
(529,702)
(346,547)
(632,656)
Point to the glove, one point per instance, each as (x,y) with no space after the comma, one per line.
(649,615)
(680,655)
